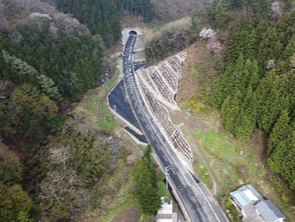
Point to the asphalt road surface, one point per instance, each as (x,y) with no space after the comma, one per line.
(198,202)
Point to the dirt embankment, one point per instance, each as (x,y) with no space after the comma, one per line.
(198,70)
(130,215)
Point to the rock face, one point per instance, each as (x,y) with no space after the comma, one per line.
(158,85)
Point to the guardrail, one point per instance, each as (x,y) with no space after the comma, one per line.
(175,194)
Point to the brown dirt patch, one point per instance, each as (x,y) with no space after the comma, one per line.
(188,85)
(130,215)
(199,72)
(259,143)
(242,169)
(128,144)
(128,20)
(189,123)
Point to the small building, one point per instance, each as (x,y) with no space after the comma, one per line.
(166,214)
(253,207)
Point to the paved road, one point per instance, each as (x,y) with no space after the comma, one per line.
(198,202)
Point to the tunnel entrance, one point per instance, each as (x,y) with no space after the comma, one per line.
(132,33)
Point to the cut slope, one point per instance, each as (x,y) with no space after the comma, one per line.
(158,85)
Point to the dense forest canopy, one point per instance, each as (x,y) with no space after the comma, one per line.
(170,10)
(172,37)
(48,59)
(102,16)
(256,89)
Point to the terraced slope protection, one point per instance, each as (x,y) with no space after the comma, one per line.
(158,85)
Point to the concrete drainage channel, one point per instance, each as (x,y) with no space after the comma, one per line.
(153,118)
(158,86)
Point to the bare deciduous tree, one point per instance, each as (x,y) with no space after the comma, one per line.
(6,87)
(24,12)
(276,9)
(175,9)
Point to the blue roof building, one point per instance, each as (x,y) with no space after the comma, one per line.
(253,207)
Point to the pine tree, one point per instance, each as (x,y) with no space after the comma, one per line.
(48,87)
(230,110)
(270,101)
(236,45)
(288,89)
(149,200)
(252,44)
(279,133)
(240,75)
(22,72)
(253,79)
(288,163)
(246,119)
(278,156)
(147,153)
(265,49)
(223,85)
(145,179)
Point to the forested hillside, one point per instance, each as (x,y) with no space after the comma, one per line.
(102,16)
(172,37)
(256,89)
(169,10)
(48,60)
(50,56)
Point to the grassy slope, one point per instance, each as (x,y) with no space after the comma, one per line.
(112,196)
(218,157)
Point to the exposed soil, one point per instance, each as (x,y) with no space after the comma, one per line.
(189,125)
(259,143)
(130,215)
(129,145)
(199,70)
(188,84)
(128,20)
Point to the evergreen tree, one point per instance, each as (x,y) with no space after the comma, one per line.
(280,132)
(22,72)
(258,84)
(238,41)
(288,88)
(145,179)
(270,101)
(253,79)
(277,157)
(223,85)
(252,44)
(240,74)
(48,87)
(246,120)
(230,110)
(288,163)
(266,46)
(149,200)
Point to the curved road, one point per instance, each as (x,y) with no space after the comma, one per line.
(195,198)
